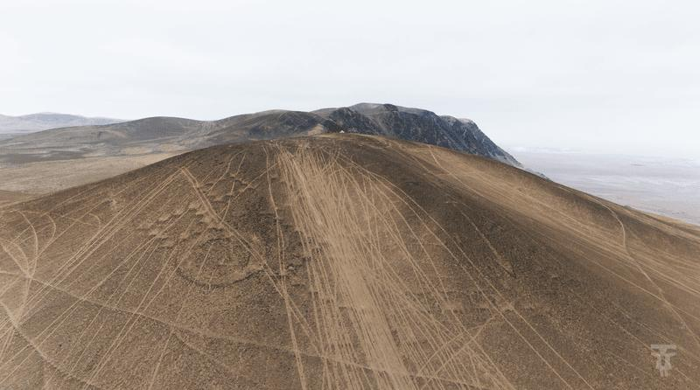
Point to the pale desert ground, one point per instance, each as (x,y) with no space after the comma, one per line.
(661,185)
(43,177)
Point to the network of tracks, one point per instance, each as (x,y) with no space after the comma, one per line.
(341,262)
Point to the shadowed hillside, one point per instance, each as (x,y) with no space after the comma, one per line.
(342,261)
(414,124)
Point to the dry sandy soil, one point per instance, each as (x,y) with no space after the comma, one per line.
(8,197)
(342,261)
(43,177)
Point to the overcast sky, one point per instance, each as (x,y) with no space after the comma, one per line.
(601,75)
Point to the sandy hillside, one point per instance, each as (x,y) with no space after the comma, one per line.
(342,261)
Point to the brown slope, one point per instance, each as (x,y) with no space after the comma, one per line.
(10,197)
(341,261)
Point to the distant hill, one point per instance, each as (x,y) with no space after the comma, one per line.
(47,120)
(168,134)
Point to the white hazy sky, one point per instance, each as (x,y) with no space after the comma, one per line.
(600,75)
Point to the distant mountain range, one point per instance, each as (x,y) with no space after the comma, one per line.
(47,120)
(168,134)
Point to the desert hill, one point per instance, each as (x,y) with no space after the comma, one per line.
(47,120)
(342,261)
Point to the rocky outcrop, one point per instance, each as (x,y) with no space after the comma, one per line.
(417,125)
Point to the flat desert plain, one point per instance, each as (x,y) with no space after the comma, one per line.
(666,186)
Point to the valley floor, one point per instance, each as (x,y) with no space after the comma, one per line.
(669,187)
(45,177)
